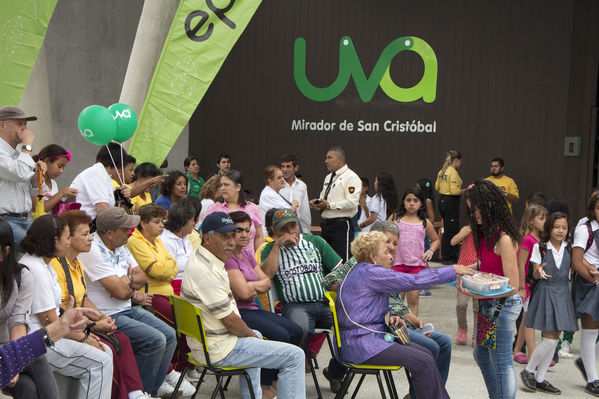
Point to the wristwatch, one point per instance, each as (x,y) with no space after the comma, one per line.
(130,280)
(27,147)
(46,337)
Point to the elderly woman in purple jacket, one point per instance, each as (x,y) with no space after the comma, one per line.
(363,302)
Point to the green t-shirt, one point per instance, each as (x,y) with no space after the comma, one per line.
(195,185)
(300,272)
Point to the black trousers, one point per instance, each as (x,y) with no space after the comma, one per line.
(338,233)
(35,381)
(449,207)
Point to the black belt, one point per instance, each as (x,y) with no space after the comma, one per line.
(16,215)
(333,220)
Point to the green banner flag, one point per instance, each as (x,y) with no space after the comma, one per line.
(23,25)
(199,40)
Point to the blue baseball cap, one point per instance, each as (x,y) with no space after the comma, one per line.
(219,222)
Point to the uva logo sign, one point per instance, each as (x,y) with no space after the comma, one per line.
(350,66)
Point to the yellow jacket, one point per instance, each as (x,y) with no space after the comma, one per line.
(163,266)
(450,183)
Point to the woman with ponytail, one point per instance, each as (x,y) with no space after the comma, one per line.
(449,186)
(56,158)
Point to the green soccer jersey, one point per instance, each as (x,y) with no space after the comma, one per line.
(301,269)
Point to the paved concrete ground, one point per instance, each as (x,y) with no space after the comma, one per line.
(465,379)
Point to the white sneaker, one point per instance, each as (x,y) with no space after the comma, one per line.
(165,390)
(193,375)
(185,389)
(565,351)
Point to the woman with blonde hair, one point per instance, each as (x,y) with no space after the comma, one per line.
(449,186)
(209,194)
(363,302)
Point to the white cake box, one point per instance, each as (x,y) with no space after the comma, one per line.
(485,282)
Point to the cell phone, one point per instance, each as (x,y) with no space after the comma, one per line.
(317,201)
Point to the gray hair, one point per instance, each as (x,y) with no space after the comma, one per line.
(338,151)
(385,225)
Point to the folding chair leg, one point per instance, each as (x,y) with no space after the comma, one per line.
(378,379)
(390,384)
(250,386)
(358,386)
(179,381)
(314,376)
(199,383)
(219,381)
(227,383)
(345,384)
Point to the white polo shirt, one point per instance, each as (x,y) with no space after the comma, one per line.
(101,262)
(581,235)
(46,290)
(180,248)
(94,186)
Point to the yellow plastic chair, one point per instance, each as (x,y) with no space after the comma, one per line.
(188,322)
(362,369)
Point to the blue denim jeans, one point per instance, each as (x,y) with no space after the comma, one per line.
(497,366)
(309,316)
(153,342)
(19,228)
(257,353)
(439,345)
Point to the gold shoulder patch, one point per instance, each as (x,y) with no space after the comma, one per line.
(351,189)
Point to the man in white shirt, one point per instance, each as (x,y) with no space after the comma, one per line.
(114,278)
(338,202)
(296,189)
(17,170)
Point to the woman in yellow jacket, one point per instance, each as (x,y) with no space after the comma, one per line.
(449,186)
(160,268)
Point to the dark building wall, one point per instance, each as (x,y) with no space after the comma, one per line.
(514,79)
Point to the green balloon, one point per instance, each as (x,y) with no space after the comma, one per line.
(126,121)
(96,125)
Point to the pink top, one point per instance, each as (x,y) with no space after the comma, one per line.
(250,208)
(411,244)
(468,254)
(246,266)
(528,242)
(490,262)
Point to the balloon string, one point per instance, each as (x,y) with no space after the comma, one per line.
(122,165)
(114,163)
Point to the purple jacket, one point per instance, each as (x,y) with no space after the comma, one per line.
(16,355)
(365,294)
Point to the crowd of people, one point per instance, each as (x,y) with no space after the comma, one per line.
(108,251)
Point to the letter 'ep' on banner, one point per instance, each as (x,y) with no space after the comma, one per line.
(200,38)
(23,26)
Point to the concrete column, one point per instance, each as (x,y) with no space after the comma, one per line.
(36,101)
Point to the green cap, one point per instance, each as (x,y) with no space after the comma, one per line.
(282,217)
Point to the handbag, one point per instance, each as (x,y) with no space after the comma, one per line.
(486,328)
(64,207)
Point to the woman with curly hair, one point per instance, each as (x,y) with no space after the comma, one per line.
(496,237)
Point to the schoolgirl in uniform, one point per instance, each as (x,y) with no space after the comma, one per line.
(551,309)
(585,260)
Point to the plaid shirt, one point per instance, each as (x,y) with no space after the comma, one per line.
(397,306)
(16,171)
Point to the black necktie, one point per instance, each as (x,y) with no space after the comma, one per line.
(326,192)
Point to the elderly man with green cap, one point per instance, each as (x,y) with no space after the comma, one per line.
(297,263)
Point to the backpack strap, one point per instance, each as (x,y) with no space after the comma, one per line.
(69,279)
(591,235)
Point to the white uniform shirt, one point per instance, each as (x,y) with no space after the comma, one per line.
(344,195)
(299,191)
(581,235)
(379,206)
(363,217)
(180,248)
(94,186)
(101,262)
(46,290)
(558,255)
(16,171)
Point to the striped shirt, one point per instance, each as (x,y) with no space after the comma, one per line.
(206,285)
(300,273)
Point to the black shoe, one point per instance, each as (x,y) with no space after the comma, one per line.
(593,388)
(580,366)
(545,386)
(334,384)
(556,357)
(528,379)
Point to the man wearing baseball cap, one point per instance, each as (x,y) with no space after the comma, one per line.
(296,263)
(17,170)
(113,280)
(230,340)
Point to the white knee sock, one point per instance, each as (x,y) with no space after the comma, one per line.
(542,350)
(587,352)
(546,361)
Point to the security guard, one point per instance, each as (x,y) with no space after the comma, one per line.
(338,202)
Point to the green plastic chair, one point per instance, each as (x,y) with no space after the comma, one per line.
(362,369)
(188,322)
